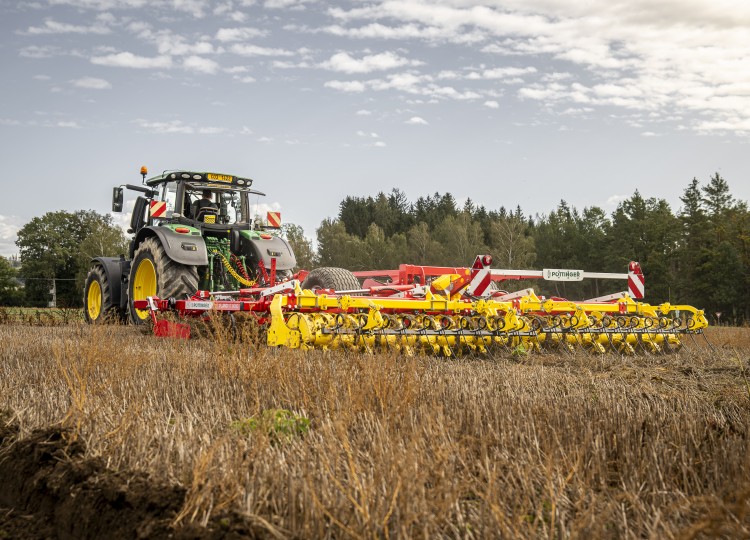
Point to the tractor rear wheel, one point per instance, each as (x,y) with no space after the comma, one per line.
(338,279)
(153,273)
(97,296)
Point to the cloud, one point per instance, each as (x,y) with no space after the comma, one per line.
(9,227)
(53,27)
(39,51)
(68,124)
(91,83)
(670,57)
(200,64)
(239,34)
(287,4)
(363,112)
(614,200)
(492,104)
(177,127)
(255,50)
(346,86)
(130,60)
(343,62)
(416,121)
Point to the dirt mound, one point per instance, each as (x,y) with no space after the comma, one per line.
(49,490)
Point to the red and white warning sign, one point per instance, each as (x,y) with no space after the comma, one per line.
(636,281)
(274,219)
(158,209)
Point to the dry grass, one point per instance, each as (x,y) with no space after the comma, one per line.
(551,446)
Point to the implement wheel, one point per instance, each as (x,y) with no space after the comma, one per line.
(338,279)
(153,273)
(97,296)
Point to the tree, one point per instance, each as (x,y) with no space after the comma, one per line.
(58,246)
(302,247)
(338,248)
(510,243)
(645,230)
(694,248)
(423,248)
(10,292)
(461,239)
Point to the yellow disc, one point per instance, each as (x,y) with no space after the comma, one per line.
(144,284)
(94,300)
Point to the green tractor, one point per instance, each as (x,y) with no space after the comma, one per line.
(191,231)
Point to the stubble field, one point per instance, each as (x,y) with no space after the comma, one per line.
(106,432)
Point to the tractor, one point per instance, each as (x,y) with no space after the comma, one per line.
(183,242)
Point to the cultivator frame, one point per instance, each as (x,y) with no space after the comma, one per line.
(445,311)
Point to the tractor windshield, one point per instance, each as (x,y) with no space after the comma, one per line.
(214,205)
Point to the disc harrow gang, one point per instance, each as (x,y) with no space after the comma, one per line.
(443,318)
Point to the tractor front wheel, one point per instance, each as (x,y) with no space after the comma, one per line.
(153,273)
(97,296)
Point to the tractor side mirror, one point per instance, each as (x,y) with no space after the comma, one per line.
(117,199)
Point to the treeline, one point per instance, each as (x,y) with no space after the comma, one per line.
(56,251)
(698,254)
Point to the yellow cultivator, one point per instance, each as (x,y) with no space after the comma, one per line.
(445,311)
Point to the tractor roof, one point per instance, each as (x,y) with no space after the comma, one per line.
(214,179)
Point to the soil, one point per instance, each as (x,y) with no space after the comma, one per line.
(50,490)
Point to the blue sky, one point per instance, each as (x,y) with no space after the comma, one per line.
(506,102)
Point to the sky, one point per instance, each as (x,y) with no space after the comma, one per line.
(507,102)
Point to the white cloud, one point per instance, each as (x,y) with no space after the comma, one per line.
(346,86)
(255,50)
(92,83)
(492,104)
(614,200)
(130,60)
(68,124)
(9,226)
(200,64)
(177,127)
(239,34)
(53,27)
(416,121)
(671,57)
(287,4)
(363,112)
(39,51)
(343,62)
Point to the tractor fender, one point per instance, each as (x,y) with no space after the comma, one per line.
(116,270)
(264,247)
(188,249)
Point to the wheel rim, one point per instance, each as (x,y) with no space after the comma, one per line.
(94,300)
(144,284)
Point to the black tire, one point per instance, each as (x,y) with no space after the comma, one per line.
(172,279)
(338,279)
(97,297)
